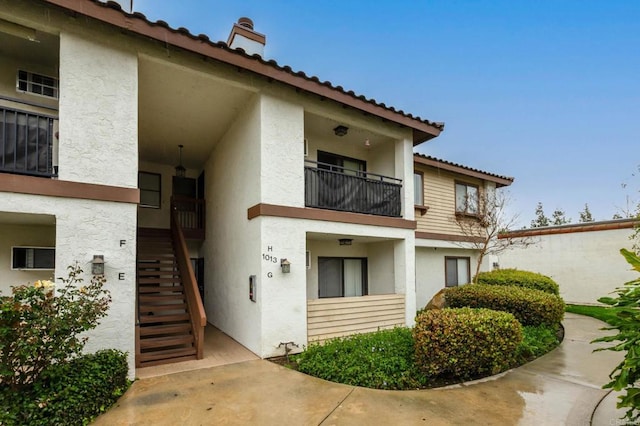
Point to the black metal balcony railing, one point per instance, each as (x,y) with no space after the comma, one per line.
(336,188)
(26,143)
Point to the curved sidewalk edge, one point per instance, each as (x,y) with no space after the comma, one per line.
(561,388)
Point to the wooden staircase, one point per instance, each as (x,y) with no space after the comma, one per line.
(165,332)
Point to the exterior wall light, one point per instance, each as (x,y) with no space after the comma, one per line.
(340,130)
(97,264)
(345,241)
(285,265)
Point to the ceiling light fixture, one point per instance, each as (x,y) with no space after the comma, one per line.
(345,241)
(340,130)
(180,170)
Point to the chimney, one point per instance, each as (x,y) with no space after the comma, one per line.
(244,37)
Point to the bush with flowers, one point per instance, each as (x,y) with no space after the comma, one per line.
(40,326)
(44,379)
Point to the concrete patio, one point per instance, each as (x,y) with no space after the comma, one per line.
(560,388)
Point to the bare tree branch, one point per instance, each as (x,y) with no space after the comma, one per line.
(482,230)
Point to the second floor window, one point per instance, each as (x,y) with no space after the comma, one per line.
(37,84)
(150,189)
(467,199)
(418,189)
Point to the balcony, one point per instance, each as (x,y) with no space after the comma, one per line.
(26,143)
(336,188)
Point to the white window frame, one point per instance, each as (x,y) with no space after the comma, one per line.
(30,266)
(465,203)
(418,189)
(27,84)
(446,270)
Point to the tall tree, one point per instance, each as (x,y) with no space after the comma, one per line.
(541,219)
(559,217)
(585,215)
(482,231)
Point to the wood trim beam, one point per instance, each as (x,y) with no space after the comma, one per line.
(327,215)
(447,237)
(61,188)
(570,229)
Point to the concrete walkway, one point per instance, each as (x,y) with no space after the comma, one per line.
(560,388)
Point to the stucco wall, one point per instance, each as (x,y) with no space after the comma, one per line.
(232,246)
(84,228)
(586,265)
(381,267)
(23,235)
(281,152)
(98,112)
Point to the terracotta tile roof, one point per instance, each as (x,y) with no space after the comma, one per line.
(111,12)
(459,168)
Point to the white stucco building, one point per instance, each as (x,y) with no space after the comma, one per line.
(293,200)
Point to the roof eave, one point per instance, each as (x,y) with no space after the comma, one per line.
(498,180)
(181,38)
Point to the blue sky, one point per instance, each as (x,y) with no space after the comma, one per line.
(545,91)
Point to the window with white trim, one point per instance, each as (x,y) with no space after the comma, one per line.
(37,84)
(457,271)
(467,197)
(418,189)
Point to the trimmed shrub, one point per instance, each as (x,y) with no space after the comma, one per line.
(379,360)
(68,393)
(465,342)
(518,278)
(529,306)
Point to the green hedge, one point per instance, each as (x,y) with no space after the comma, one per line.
(68,393)
(380,360)
(529,306)
(465,342)
(520,279)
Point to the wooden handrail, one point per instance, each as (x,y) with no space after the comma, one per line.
(196,308)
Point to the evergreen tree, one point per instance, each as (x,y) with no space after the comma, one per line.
(585,215)
(541,219)
(559,218)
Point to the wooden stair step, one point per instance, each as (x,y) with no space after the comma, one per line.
(144,309)
(150,280)
(145,273)
(147,299)
(154,319)
(166,263)
(155,330)
(161,289)
(167,354)
(165,341)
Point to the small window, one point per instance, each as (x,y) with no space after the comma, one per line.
(306,147)
(457,271)
(467,197)
(308,259)
(418,189)
(150,189)
(33,258)
(37,84)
